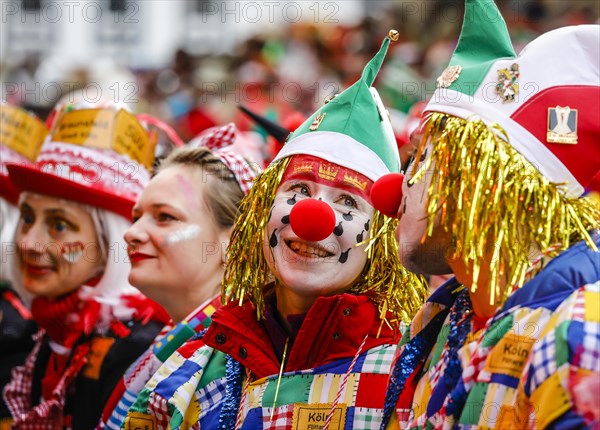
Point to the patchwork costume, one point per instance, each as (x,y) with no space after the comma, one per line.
(513,165)
(248,371)
(89,336)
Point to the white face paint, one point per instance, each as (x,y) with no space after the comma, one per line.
(312,269)
(183,235)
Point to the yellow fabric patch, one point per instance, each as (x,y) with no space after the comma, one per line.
(422,396)
(592,306)
(98,349)
(139,421)
(509,355)
(550,400)
(313,417)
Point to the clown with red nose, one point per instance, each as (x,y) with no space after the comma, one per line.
(314,292)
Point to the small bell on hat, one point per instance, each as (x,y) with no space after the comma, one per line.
(97,156)
(352,130)
(21,137)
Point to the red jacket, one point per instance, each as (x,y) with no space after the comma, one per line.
(333,328)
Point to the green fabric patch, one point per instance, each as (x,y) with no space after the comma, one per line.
(215,369)
(561,345)
(439,345)
(497,331)
(292,389)
(474,404)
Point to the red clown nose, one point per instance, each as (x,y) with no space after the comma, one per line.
(386,194)
(312,220)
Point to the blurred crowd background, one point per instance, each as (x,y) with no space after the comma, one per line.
(191,63)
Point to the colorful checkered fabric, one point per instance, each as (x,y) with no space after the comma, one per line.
(187,392)
(169,340)
(521,369)
(49,413)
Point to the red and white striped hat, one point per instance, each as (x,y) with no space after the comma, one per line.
(220,141)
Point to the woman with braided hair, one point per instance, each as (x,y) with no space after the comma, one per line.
(184,215)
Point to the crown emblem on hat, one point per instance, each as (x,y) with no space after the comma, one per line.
(507,87)
(354,180)
(328,172)
(448,76)
(317,121)
(303,167)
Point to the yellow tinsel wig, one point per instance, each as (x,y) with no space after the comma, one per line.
(491,198)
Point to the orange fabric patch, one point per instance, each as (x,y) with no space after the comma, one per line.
(98,350)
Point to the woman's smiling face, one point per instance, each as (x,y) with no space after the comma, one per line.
(57,244)
(329,266)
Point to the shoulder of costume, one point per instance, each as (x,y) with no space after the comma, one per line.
(566,273)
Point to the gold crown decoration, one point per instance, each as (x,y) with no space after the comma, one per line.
(354,180)
(328,172)
(303,167)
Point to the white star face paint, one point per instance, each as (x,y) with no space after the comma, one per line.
(183,235)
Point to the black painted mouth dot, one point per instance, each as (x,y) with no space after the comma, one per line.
(367,225)
(338,230)
(285,219)
(273,240)
(292,201)
(344,257)
(348,216)
(359,237)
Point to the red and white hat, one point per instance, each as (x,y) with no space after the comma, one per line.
(21,137)
(99,157)
(547,98)
(222,142)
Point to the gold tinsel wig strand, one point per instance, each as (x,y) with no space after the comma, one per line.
(495,203)
(389,284)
